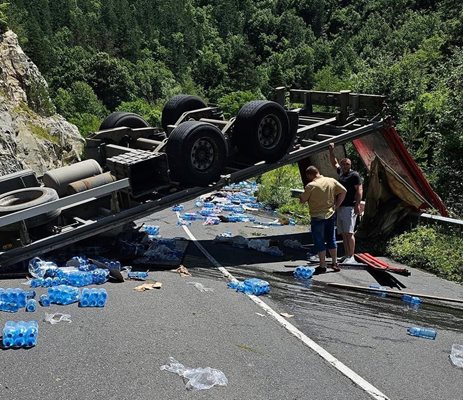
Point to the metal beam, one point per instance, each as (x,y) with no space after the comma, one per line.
(64,202)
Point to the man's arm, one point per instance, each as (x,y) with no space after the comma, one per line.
(340,194)
(304,197)
(339,199)
(334,161)
(358,198)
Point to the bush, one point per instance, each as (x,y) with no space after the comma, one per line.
(431,249)
(274,191)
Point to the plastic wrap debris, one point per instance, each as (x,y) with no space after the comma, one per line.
(39,268)
(212,221)
(148,286)
(183,271)
(197,378)
(200,287)
(57,317)
(456,355)
(292,244)
(263,245)
(162,252)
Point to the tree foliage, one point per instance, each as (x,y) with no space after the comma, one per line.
(135,54)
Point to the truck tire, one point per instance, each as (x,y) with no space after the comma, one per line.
(122,118)
(176,106)
(261,131)
(22,199)
(197,153)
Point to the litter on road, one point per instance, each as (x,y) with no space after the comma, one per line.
(56,318)
(148,286)
(200,287)
(196,378)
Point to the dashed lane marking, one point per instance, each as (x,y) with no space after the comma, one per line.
(345,370)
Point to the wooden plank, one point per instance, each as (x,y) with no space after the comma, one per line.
(394,292)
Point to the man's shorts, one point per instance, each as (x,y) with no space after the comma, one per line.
(346,219)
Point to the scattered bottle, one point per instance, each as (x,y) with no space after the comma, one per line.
(256,286)
(63,294)
(427,333)
(177,207)
(381,292)
(93,297)
(31,305)
(411,299)
(140,275)
(44,300)
(99,276)
(20,334)
(41,269)
(152,230)
(303,272)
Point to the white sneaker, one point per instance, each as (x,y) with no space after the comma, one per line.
(350,260)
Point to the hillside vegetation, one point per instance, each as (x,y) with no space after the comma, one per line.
(100,56)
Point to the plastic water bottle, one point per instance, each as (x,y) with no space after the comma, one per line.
(141,275)
(177,207)
(44,300)
(20,334)
(152,230)
(63,294)
(31,305)
(427,333)
(303,272)
(93,297)
(411,299)
(256,286)
(381,290)
(99,276)
(8,307)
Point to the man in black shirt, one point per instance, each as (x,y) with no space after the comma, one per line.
(350,207)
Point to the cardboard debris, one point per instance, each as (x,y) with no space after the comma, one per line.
(148,286)
(183,271)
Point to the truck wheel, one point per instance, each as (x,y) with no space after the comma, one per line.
(121,118)
(21,199)
(197,153)
(261,131)
(176,106)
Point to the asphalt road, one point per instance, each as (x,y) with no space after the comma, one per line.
(116,352)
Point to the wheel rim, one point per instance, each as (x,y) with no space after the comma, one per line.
(269,132)
(202,154)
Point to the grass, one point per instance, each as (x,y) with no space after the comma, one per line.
(43,133)
(274,191)
(431,249)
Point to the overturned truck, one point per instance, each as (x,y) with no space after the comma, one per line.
(132,169)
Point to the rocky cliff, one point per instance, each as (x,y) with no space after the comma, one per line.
(32,135)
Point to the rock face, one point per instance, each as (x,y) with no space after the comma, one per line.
(32,135)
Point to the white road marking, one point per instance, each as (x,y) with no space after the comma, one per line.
(345,370)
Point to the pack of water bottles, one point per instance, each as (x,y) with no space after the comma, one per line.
(63,294)
(20,334)
(303,272)
(93,297)
(253,286)
(152,230)
(12,299)
(39,268)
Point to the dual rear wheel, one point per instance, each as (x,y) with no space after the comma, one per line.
(197,151)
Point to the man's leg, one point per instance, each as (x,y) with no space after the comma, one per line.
(350,239)
(330,236)
(318,235)
(346,244)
